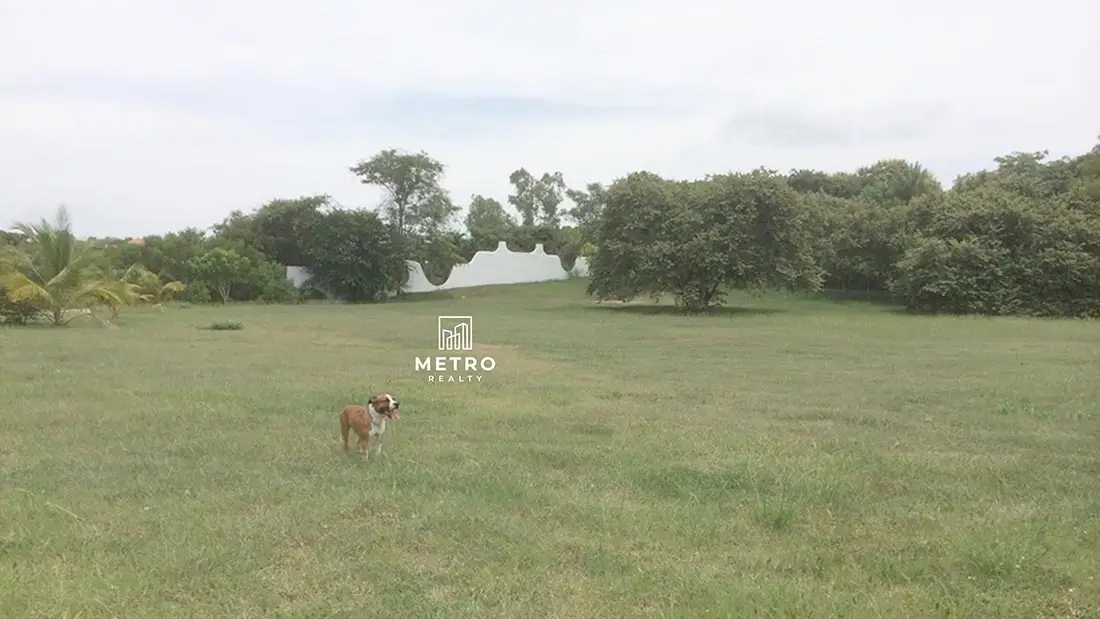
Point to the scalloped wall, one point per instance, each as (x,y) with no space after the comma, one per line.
(486,268)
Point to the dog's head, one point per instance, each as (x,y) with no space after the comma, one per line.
(385,404)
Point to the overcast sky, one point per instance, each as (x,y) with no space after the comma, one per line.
(146,116)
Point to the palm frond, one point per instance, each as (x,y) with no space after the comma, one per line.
(19,287)
(112,293)
(172,288)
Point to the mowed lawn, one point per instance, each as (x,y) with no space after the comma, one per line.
(792,458)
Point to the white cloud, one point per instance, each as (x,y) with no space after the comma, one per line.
(949,84)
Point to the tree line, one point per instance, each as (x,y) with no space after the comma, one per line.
(1022,238)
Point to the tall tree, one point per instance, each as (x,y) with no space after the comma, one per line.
(588,206)
(417,208)
(525,196)
(537,200)
(550,194)
(416,201)
(487,222)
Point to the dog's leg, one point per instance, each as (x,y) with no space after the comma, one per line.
(345,427)
(363,441)
(377,445)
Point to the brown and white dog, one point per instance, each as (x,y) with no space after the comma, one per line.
(368,421)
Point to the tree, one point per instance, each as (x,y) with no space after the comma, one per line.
(55,272)
(861,242)
(171,255)
(893,182)
(525,196)
(838,185)
(351,254)
(537,200)
(438,254)
(638,212)
(278,225)
(221,268)
(417,207)
(238,229)
(993,248)
(550,193)
(488,223)
(861,219)
(588,207)
(695,239)
(416,201)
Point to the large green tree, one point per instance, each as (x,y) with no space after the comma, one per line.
(488,223)
(1021,239)
(351,254)
(698,239)
(415,199)
(417,208)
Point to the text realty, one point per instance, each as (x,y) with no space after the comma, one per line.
(439,365)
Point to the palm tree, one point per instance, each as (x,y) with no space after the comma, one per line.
(148,286)
(55,272)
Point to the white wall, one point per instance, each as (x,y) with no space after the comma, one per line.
(486,268)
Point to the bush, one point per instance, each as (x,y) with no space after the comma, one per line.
(353,255)
(273,285)
(992,251)
(957,276)
(17,312)
(197,291)
(225,325)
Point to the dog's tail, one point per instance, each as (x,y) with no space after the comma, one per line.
(345,427)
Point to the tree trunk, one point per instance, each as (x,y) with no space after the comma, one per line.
(402,247)
(223,290)
(710,295)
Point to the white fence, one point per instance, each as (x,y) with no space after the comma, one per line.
(486,268)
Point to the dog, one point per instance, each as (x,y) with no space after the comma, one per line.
(368,421)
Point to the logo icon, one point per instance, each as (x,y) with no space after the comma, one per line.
(456,332)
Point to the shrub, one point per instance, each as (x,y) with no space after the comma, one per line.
(17,312)
(354,255)
(273,285)
(225,325)
(197,291)
(967,276)
(991,251)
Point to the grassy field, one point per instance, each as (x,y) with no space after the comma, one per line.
(790,458)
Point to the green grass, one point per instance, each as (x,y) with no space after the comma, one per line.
(792,458)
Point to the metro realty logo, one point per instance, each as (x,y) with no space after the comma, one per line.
(455,333)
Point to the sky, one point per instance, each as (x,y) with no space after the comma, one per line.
(147,116)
